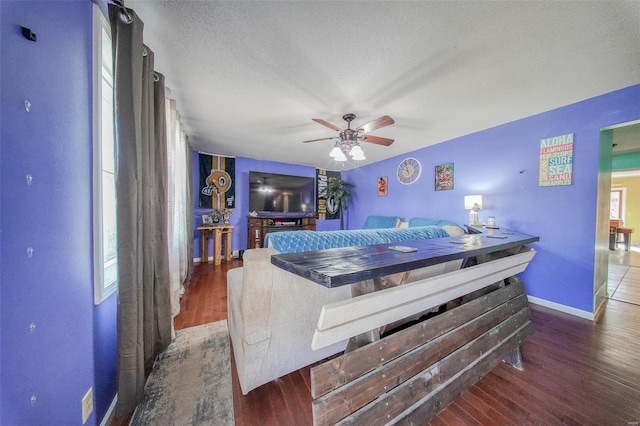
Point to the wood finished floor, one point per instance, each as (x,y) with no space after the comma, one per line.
(576,371)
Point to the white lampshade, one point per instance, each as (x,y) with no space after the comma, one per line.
(357,153)
(336,152)
(356,150)
(359,157)
(471,200)
(340,157)
(473,203)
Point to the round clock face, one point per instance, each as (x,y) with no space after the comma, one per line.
(409,171)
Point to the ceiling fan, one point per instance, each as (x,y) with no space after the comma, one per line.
(349,139)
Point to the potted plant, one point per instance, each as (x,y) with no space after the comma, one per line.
(338,194)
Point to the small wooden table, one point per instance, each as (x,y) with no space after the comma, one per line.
(218,232)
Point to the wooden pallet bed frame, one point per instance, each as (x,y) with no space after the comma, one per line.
(410,376)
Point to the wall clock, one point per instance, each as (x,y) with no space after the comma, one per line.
(409,171)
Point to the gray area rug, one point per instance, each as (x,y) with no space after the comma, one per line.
(191,381)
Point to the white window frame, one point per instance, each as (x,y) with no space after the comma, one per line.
(623,202)
(101,291)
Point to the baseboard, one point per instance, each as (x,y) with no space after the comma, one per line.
(600,295)
(234,255)
(111,411)
(599,309)
(562,308)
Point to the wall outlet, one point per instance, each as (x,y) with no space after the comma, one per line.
(87,405)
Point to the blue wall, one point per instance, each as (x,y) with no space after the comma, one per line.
(45,373)
(501,163)
(240,216)
(72,346)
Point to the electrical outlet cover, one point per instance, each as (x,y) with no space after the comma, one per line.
(87,405)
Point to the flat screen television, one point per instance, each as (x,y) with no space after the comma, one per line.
(275,193)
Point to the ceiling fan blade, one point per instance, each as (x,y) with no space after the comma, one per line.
(325,123)
(376,139)
(316,140)
(376,124)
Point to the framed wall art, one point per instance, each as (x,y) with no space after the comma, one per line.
(383,185)
(207,220)
(217,181)
(556,161)
(444,177)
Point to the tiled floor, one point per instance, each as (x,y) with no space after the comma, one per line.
(624,275)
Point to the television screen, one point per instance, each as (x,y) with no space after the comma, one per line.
(270,192)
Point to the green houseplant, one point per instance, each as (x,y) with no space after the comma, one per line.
(338,194)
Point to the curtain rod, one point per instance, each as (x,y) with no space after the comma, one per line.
(124,14)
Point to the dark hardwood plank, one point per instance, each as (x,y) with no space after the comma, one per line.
(506,389)
(298,402)
(280,413)
(507,409)
(484,413)
(449,418)
(538,391)
(463,416)
(437,421)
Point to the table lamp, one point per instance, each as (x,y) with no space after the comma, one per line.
(473,203)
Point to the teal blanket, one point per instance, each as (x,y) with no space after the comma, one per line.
(299,241)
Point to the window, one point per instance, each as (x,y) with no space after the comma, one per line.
(105,235)
(618,200)
(616,203)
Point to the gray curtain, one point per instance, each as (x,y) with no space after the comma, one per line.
(144,308)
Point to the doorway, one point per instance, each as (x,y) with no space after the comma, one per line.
(620,154)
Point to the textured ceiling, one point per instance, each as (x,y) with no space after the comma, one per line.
(626,139)
(250,76)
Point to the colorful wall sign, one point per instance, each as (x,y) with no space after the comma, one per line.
(556,161)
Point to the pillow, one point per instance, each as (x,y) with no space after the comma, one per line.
(454,230)
(377,222)
(418,221)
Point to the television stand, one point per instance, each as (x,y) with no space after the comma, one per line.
(259,226)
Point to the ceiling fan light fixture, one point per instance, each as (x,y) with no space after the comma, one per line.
(349,139)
